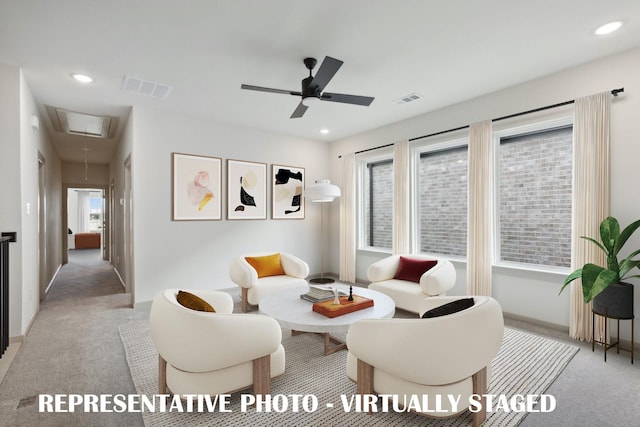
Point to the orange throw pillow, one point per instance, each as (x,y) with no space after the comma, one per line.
(266,265)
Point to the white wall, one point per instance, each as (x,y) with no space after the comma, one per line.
(73,174)
(196,254)
(29,204)
(527,293)
(35,142)
(10,208)
(19,152)
(116,185)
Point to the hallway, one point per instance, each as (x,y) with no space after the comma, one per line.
(73,347)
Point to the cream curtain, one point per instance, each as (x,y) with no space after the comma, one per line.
(401,199)
(479,237)
(348,219)
(84,211)
(590,200)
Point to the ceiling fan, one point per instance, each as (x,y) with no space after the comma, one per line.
(313,86)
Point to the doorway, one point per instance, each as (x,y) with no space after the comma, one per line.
(86,221)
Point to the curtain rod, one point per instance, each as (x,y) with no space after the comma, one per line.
(614,92)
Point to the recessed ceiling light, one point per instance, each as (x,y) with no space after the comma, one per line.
(82,78)
(608,28)
(324,131)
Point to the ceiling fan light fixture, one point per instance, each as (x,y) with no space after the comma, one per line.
(310,100)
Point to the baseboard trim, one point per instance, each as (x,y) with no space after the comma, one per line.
(120,278)
(537,322)
(55,275)
(625,343)
(30,324)
(16,339)
(144,306)
(8,357)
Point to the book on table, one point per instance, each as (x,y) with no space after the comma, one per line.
(318,293)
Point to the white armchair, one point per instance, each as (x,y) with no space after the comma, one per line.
(214,353)
(254,285)
(442,355)
(408,295)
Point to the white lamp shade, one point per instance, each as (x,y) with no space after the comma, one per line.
(322,191)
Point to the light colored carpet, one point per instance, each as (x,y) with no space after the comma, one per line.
(526,364)
(73,347)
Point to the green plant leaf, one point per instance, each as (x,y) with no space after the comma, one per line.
(624,236)
(609,233)
(632,254)
(570,278)
(627,265)
(595,279)
(597,244)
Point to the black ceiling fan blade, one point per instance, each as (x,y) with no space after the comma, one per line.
(299,111)
(347,99)
(270,90)
(327,70)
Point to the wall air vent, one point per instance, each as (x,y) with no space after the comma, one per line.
(144,87)
(84,124)
(409,98)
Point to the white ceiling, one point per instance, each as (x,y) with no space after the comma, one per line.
(204,49)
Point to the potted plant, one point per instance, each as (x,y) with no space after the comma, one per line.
(604,285)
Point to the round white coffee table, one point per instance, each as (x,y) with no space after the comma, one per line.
(294,313)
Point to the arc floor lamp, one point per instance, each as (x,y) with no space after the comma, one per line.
(323,192)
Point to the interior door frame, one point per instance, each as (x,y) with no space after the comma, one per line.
(105,245)
(128,229)
(42,227)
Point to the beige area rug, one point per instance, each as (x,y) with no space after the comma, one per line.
(526,364)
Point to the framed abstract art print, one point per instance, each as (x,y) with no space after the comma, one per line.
(287,192)
(196,187)
(246,190)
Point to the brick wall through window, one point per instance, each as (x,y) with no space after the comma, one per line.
(535,198)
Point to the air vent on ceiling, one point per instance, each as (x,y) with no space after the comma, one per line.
(84,124)
(144,87)
(409,98)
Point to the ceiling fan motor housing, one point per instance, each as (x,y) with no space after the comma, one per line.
(310,63)
(308,90)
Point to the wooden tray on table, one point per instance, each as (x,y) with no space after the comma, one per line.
(329,309)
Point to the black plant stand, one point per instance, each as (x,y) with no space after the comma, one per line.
(606,325)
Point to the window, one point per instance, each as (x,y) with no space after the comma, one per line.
(95,213)
(534,197)
(377,203)
(442,200)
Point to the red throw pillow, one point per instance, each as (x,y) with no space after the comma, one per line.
(412,269)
